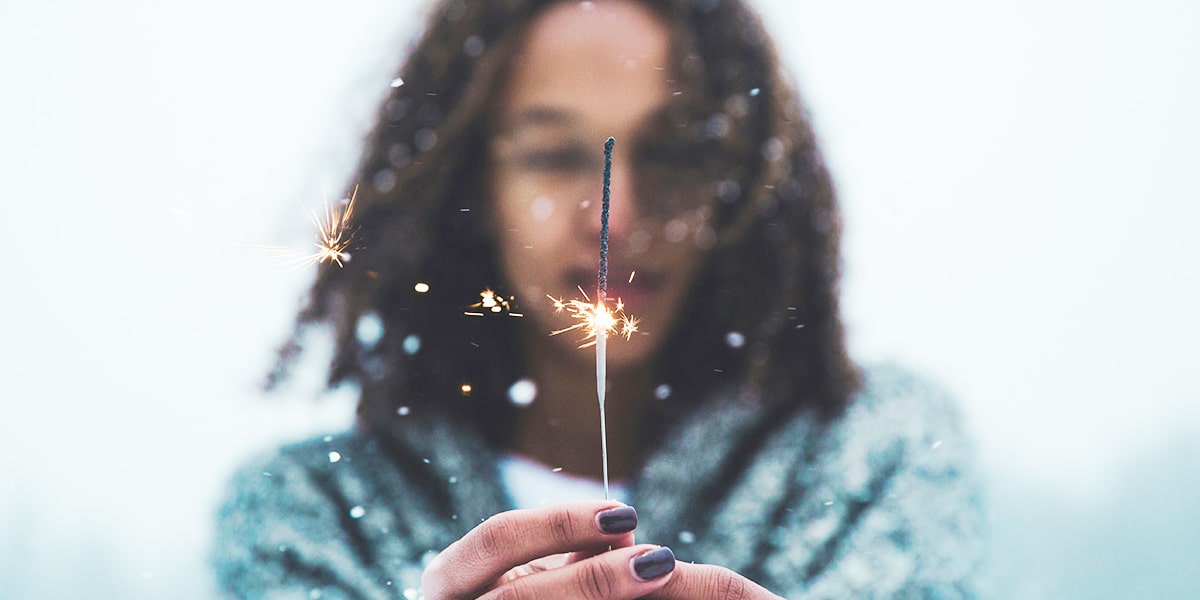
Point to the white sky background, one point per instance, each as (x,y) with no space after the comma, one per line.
(1018,180)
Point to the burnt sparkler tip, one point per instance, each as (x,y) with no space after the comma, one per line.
(603,274)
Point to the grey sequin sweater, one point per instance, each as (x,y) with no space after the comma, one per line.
(880,503)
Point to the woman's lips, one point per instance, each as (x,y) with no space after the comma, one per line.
(635,291)
(635,297)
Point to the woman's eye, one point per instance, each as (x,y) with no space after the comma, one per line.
(562,159)
(687,162)
(672,156)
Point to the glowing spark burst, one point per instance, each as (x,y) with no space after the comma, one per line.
(333,233)
(595,318)
(491,302)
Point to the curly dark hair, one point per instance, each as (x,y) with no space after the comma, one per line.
(422,216)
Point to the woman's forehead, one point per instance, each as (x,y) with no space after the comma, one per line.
(625,27)
(575,64)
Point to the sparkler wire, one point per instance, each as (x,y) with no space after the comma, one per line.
(602,336)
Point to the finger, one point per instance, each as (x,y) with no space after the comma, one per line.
(536,565)
(555,561)
(546,563)
(516,572)
(622,574)
(479,558)
(710,581)
(623,542)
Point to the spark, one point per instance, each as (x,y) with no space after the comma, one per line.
(491,302)
(595,318)
(333,234)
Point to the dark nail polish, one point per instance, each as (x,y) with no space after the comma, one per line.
(617,520)
(654,564)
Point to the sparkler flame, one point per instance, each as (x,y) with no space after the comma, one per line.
(595,319)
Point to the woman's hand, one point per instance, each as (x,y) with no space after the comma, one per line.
(563,551)
(553,552)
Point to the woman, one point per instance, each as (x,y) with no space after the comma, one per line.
(738,427)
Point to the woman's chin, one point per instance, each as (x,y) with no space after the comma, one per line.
(634,352)
(620,353)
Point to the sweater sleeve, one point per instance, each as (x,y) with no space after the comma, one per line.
(891,510)
(287,529)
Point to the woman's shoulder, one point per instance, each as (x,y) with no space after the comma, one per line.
(895,401)
(899,424)
(308,457)
(300,477)
(894,407)
(370,476)
(324,512)
(891,485)
(885,487)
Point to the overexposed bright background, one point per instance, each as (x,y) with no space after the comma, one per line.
(1021,200)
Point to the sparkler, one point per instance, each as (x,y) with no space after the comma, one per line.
(602,335)
(597,320)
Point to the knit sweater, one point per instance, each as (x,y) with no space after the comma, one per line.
(881,502)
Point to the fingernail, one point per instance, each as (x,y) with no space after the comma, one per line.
(653,564)
(617,520)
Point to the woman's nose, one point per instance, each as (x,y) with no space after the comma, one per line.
(622,209)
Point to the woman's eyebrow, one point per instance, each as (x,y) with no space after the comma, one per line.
(540,116)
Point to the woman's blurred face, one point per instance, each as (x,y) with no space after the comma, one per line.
(588,71)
